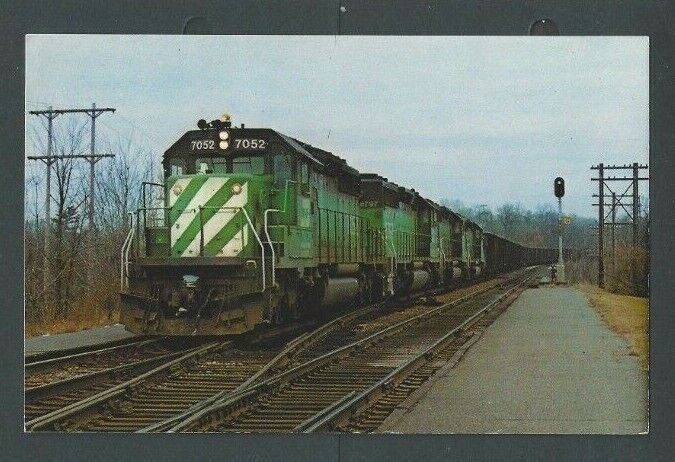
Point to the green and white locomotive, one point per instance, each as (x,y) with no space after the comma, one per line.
(256,227)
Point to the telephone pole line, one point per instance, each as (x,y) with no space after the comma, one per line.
(617,200)
(50,158)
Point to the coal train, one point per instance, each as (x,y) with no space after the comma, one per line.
(255,227)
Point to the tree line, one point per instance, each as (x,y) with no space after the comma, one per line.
(532,228)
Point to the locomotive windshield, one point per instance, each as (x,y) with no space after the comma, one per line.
(252,165)
(245,164)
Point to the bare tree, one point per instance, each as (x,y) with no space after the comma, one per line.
(81,263)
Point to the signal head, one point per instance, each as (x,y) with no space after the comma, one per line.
(559,187)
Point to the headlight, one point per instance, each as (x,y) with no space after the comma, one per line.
(224,135)
(236,188)
(190,280)
(223,145)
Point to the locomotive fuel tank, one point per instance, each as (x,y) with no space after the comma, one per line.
(340,291)
(420,279)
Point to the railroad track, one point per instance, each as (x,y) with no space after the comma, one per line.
(52,354)
(43,369)
(338,332)
(316,393)
(157,398)
(159,393)
(67,380)
(368,412)
(183,386)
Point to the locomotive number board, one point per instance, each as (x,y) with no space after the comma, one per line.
(254,144)
(249,143)
(202,145)
(224,142)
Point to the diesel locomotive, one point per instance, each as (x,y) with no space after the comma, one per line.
(255,227)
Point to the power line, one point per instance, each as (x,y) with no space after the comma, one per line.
(50,114)
(618,199)
(142,130)
(138,128)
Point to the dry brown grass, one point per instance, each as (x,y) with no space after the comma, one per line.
(76,322)
(626,272)
(99,309)
(626,315)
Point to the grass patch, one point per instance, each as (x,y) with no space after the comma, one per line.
(626,315)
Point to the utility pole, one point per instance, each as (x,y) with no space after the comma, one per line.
(37,216)
(617,200)
(93,158)
(49,159)
(601,225)
(636,213)
(613,231)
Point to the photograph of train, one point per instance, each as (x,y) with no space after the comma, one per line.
(305,234)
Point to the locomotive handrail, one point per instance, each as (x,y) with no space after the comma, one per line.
(269,240)
(262,247)
(248,219)
(393,248)
(440,247)
(144,196)
(124,254)
(266,229)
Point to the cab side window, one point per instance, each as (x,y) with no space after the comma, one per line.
(282,169)
(176,167)
(304,174)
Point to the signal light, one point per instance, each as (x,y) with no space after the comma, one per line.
(559,187)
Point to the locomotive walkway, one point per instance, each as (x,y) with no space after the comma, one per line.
(549,364)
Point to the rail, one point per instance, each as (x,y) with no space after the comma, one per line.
(353,402)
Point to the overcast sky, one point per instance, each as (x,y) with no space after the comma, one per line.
(485,120)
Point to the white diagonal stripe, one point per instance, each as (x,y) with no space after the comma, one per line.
(206,192)
(236,245)
(218,221)
(179,185)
